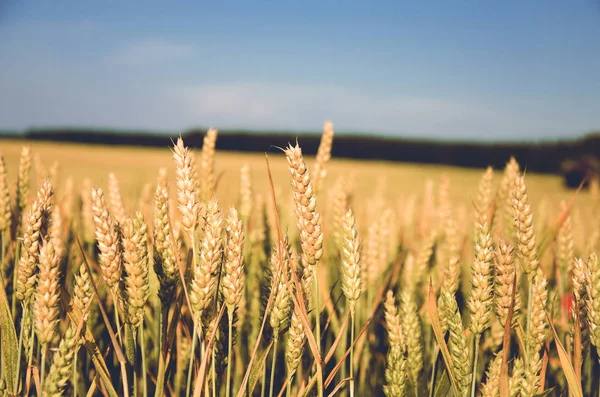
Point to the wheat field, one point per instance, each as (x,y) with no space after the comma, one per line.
(148,272)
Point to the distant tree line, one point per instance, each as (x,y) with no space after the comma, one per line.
(548,157)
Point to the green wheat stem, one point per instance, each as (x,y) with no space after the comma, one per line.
(203,353)
(117,321)
(191,365)
(14,295)
(74,380)
(161,357)
(214,373)
(274,360)
(43,365)
(31,339)
(436,350)
(475,357)
(229,344)
(143,352)
(264,381)
(318,331)
(352,352)
(21,335)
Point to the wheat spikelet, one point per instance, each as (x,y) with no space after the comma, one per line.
(579,282)
(593,299)
(204,275)
(308,219)
(491,387)
(504,200)
(423,260)
(145,200)
(135,268)
(5,207)
(411,326)
(339,200)
(523,223)
(392,322)
(23,181)
(531,379)
(56,230)
(67,200)
(351,266)
(427,209)
(483,204)
(480,300)
(385,234)
(109,240)
(208,164)
(516,378)
(449,286)
(457,343)
(233,276)
(82,292)
(537,315)
(395,372)
(115,203)
(40,169)
(45,307)
(444,210)
(187,184)
(35,230)
(245,203)
(280,272)
(294,346)
(566,244)
(165,260)
(323,156)
(62,365)
(87,214)
(371,254)
(503,286)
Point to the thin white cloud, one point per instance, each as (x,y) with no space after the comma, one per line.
(150,51)
(258,105)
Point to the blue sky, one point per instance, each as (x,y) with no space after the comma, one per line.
(453,69)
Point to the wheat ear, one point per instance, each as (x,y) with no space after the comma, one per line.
(5,207)
(109,240)
(323,156)
(136,283)
(208,164)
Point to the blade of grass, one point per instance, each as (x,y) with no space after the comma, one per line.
(574,384)
(341,334)
(577,347)
(338,386)
(10,343)
(437,330)
(337,367)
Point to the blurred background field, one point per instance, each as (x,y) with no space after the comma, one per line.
(137,166)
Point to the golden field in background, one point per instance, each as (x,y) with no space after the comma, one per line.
(135,166)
